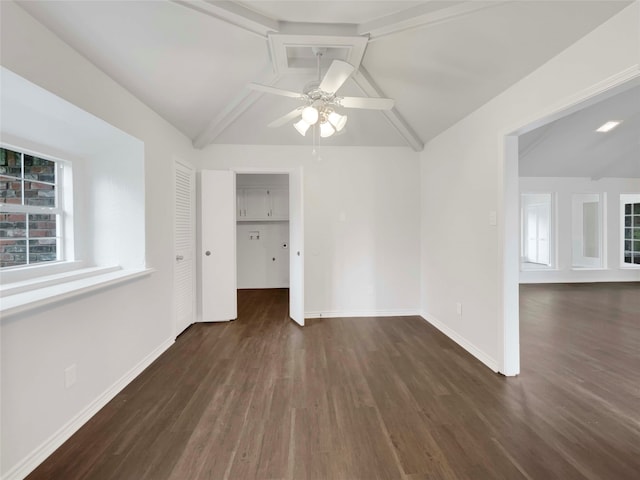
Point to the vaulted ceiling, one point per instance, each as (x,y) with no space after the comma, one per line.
(572,147)
(191,61)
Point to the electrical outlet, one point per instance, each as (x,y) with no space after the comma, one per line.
(70,376)
(459,308)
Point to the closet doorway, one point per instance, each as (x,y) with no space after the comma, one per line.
(269,234)
(262,230)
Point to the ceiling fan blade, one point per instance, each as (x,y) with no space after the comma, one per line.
(274,90)
(337,74)
(370,103)
(285,118)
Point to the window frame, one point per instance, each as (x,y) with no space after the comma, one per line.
(625,199)
(579,260)
(62,210)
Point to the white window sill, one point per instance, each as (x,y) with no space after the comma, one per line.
(26,273)
(588,269)
(22,296)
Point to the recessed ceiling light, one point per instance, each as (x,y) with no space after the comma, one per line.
(608,126)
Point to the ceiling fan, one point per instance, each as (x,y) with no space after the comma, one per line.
(321,102)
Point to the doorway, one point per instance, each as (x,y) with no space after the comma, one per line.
(512,241)
(279,206)
(219,213)
(262,231)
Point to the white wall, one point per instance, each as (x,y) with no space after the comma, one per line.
(564,189)
(362,210)
(108,334)
(262,261)
(462,182)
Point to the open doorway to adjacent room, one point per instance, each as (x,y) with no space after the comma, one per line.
(262,234)
(270,237)
(570,185)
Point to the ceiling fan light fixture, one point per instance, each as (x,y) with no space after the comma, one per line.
(310,115)
(326,129)
(337,121)
(301,126)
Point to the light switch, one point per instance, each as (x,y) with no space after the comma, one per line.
(493,218)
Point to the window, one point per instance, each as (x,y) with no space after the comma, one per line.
(630,205)
(537,231)
(587,230)
(31,214)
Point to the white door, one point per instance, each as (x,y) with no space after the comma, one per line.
(218,245)
(296,245)
(184,227)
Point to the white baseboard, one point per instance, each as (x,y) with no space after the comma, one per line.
(40,454)
(463,342)
(362,313)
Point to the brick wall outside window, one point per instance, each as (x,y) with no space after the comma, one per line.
(29,219)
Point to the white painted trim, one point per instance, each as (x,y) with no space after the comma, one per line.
(420,16)
(463,342)
(362,313)
(24,301)
(39,454)
(608,87)
(565,280)
(509,243)
(234,14)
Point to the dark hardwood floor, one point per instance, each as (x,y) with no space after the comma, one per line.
(386,398)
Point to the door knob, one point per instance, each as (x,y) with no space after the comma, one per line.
(179,257)
(207,253)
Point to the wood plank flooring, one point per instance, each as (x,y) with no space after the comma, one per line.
(378,398)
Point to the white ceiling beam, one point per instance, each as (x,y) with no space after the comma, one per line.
(304,28)
(234,14)
(230,114)
(422,15)
(368,86)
